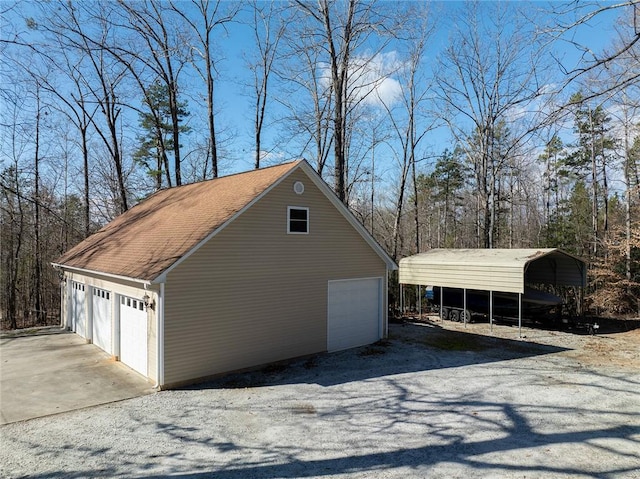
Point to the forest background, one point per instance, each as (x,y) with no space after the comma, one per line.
(439,124)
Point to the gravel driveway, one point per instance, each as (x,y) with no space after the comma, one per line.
(430,402)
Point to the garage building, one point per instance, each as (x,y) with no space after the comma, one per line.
(228,274)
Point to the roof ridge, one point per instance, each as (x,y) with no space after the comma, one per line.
(201,182)
(230,175)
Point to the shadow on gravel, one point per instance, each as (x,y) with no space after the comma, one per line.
(518,436)
(377,463)
(411,347)
(498,440)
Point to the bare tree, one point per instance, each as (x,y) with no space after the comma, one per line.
(408,128)
(303,76)
(629,162)
(571,16)
(343,28)
(268,32)
(88,32)
(78,109)
(488,75)
(626,114)
(12,238)
(161,54)
(211,15)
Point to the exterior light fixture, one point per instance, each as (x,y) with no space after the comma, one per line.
(148,303)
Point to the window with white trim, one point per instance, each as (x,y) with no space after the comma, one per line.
(297,220)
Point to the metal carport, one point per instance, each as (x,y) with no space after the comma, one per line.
(493,270)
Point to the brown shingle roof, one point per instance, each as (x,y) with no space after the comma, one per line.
(146,240)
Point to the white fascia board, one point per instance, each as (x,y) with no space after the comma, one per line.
(342,208)
(162,278)
(63,267)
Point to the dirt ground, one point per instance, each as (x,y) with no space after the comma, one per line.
(616,342)
(437,400)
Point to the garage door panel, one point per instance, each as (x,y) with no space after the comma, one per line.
(102,319)
(78,309)
(133,334)
(353,313)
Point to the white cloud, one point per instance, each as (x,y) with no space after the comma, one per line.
(371,79)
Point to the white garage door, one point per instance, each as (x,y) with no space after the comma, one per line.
(102,319)
(354,313)
(78,309)
(133,334)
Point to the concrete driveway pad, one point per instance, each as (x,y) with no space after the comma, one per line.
(52,373)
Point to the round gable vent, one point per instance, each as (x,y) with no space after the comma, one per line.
(298,187)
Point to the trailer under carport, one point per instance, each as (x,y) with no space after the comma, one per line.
(493,270)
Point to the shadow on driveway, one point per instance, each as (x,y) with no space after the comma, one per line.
(443,349)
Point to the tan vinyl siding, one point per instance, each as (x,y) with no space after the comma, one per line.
(255,294)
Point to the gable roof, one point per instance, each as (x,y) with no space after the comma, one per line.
(146,241)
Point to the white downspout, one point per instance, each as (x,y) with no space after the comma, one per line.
(64,306)
(160,339)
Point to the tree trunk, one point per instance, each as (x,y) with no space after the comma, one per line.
(112,118)
(37,267)
(339,62)
(213,147)
(627,205)
(416,211)
(175,127)
(594,187)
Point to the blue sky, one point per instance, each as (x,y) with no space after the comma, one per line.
(234,104)
(236,108)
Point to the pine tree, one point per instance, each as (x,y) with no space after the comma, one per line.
(448,179)
(157,141)
(590,162)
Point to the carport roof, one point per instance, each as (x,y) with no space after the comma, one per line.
(493,269)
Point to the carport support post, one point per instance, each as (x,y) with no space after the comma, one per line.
(441,303)
(491,311)
(401,300)
(520,315)
(464,307)
(419,302)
